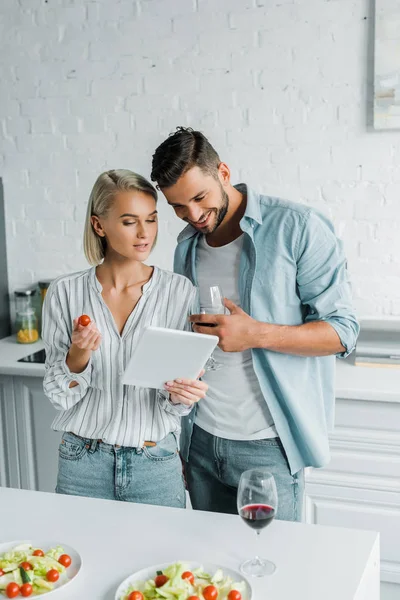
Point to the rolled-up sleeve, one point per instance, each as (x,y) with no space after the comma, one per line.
(323,280)
(56,334)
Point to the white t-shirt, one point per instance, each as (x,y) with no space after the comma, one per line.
(234,407)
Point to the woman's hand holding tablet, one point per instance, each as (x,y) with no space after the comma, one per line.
(186,391)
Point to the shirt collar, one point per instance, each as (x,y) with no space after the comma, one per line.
(146,287)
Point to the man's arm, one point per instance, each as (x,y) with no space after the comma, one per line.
(323,286)
(310,339)
(238,332)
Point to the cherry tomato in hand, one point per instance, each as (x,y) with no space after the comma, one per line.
(12,590)
(38,552)
(210,593)
(26,566)
(26,590)
(189,576)
(234,595)
(160,580)
(65,560)
(84,320)
(52,575)
(136,596)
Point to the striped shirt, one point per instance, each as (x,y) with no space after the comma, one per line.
(101,407)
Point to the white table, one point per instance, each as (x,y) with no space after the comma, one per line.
(117,538)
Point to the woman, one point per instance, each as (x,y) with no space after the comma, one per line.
(119,442)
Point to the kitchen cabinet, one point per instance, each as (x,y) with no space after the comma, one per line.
(28,445)
(360,488)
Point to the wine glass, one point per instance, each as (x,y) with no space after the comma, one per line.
(257,502)
(209,300)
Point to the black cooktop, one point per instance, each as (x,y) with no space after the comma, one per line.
(36,357)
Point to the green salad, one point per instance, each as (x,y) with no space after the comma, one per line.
(27,571)
(178,582)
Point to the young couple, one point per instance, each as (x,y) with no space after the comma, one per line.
(283,272)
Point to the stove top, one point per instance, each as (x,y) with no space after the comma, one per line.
(36,357)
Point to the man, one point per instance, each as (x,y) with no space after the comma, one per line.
(284,276)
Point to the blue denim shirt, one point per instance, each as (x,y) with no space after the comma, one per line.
(292,271)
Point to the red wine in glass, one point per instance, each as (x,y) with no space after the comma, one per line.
(257,503)
(257,516)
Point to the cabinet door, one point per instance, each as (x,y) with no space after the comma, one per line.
(37,442)
(9,460)
(360,487)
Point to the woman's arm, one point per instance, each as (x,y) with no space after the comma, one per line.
(59,378)
(85,339)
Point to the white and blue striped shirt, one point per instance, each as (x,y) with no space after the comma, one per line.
(101,407)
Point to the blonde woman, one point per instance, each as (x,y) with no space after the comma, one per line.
(119,442)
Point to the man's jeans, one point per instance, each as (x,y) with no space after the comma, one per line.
(215,465)
(152,475)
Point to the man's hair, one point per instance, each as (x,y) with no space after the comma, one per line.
(182,150)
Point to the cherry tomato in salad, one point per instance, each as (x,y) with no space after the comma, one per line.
(65,560)
(136,596)
(12,590)
(160,580)
(189,576)
(26,590)
(1,572)
(84,320)
(193,598)
(38,552)
(234,595)
(52,575)
(26,566)
(210,593)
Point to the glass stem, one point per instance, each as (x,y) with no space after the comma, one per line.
(257,560)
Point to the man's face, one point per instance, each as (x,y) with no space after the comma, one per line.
(199,199)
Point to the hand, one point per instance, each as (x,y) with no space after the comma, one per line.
(236,331)
(86,338)
(186,391)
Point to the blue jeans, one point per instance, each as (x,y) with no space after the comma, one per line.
(149,475)
(215,465)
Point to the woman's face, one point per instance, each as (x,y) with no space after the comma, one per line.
(130,226)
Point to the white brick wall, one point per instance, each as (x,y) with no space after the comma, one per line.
(281,87)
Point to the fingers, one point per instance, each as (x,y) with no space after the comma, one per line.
(86,338)
(97,342)
(187,391)
(202,373)
(184,384)
(184,397)
(205,318)
(205,330)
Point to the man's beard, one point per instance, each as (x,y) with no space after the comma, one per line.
(221,214)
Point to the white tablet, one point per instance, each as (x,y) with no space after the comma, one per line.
(162,355)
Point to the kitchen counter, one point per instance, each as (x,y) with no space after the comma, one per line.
(116,539)
(11,351)
(361,383)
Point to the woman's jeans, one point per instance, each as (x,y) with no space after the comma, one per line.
(215,465)
(148,475)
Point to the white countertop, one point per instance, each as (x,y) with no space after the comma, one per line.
(116,539)
(11,351)
(363,383)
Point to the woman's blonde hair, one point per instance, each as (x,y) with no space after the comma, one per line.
(107,185)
